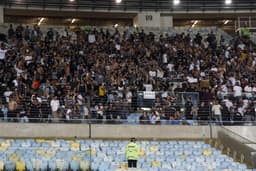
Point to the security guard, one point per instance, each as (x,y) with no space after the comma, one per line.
(132,152)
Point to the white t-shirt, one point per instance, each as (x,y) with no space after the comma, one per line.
(91,38)
(227,54)
(55,104)
(248,89)
(241,110)
(152,73)
(2,53)
(86,111)
(80,99)
(160,74)
(254,89)
(216,109)
(7,95)
(165,58)
(233,80)
(237,91)
(170,67)
(118,47)
(224,88)
(228,104)
(129,97)
(241,46)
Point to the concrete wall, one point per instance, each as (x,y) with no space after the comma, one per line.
(147,19)
(150,131)
(19,130)
(248,132)
(166,21)
(238,145)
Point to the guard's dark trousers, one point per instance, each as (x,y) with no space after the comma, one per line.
(132,163)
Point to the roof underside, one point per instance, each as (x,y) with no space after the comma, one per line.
(135,5)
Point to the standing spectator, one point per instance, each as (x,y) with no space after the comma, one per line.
(237,90)
(55,105)
(216,110)
(188,109)
(12,108)
(10,32)
(35,110)
(27,33)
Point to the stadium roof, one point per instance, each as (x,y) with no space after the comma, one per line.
(136,5)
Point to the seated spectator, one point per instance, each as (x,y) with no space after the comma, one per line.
(155,118)
(144,118)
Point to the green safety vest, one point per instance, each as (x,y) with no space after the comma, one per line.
(132,151)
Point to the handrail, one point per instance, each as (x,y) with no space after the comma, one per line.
(127,121)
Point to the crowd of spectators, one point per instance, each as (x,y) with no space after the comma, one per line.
(67,75)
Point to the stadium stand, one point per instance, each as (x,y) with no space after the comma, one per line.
(62,74)
(177,75)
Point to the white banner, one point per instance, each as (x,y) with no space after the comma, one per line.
(149,95)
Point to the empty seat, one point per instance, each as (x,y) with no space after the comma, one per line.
(20,166)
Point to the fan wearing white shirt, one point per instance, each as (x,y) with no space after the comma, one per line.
(248,89)
(216,110)
(237,90)
(2,53)
(55,105)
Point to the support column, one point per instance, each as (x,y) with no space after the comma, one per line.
(1,14)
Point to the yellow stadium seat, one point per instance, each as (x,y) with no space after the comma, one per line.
(77,158)
(3,148)
(142,153)
(84,165)
(39,140)
(1,165)
(14,157)
(156,163)
(207,152)
(5,145)
(48,155)
(182,156)
(123,165)
(60,164)
(20,166)
(40,151)
(153,148)
(75,146)
(92,151)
